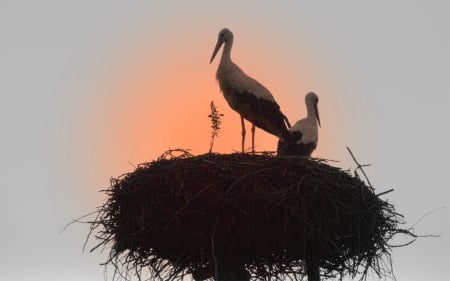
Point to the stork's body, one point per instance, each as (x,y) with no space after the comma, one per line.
(247,96)
(304,134)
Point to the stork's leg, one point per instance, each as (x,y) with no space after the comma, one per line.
(243,133)
(253,138)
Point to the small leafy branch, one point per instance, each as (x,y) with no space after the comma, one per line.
(215,123)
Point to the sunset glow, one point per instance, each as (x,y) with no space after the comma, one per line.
(159,100)
(91,89)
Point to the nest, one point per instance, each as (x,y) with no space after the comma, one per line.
(184,214)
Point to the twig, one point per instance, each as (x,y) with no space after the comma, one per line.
(360,167)
(77,220)
(215,124)
(426,215)
(384,192)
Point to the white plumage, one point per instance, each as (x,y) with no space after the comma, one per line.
(304,134)
(247,96)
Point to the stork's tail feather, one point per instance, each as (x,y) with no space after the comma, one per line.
(286,125)
(286,120)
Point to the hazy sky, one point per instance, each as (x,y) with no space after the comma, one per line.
(90,88)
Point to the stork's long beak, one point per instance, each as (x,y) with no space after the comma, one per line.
(216,49)
(316,110)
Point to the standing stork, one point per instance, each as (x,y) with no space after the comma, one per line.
(304,134)
(247,96)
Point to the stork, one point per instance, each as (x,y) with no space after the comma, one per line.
(247,96)
(304,134)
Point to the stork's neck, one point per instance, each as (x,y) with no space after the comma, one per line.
(311,113)
(226,54)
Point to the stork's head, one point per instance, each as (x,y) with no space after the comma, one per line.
(312,100)
(225,36)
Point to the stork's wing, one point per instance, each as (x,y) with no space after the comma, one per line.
(242,83)
(295,136)
(293,146)
(264,114)
(254,102)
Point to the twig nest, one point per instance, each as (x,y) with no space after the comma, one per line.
(185,213)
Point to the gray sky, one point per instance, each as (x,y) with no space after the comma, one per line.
(382,71)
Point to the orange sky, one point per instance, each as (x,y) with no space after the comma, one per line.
(90,87)
(155,96)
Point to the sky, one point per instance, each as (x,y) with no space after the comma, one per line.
(90,89)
